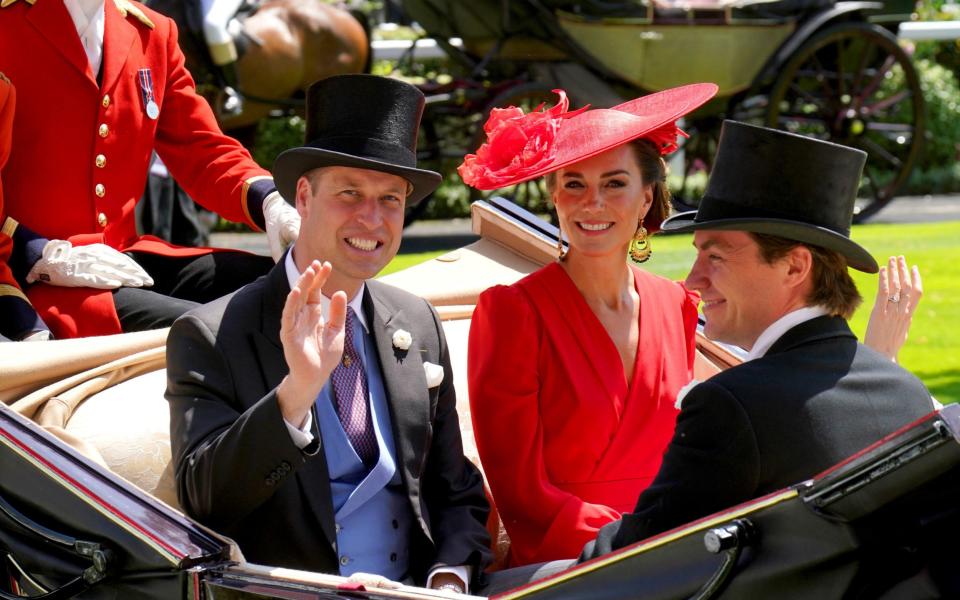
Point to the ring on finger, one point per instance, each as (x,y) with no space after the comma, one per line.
(894,299)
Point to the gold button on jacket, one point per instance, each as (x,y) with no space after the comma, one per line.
(106,100)
(102,220)
(100,190)
(104,130)
(101,161)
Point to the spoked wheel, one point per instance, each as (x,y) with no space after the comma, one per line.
(531,195)
(854,85)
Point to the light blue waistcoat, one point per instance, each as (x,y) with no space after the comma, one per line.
(373,514)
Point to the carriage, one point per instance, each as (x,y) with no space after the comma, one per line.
(88,508)
(825,68)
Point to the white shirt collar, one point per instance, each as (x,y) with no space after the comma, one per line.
(293,274)
(782,325)
(88,19)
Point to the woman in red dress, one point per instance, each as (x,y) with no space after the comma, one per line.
(574,370)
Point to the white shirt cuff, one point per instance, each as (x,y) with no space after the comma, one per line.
(301,436)
(463,572)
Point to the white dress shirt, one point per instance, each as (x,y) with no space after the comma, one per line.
(782,325)
(87,17)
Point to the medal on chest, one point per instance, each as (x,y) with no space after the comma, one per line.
(145,76)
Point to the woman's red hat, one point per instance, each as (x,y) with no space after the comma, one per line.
(523,146)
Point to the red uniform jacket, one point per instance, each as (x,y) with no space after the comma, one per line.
(81,150)
(17,317)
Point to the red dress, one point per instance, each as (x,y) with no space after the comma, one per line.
(565,444)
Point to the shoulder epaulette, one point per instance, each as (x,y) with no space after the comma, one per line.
(127,8)
(6,3)
(9,227)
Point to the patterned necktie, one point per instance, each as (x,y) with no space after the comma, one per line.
(351,395)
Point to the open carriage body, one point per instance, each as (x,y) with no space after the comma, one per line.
(825,68)
(87,497)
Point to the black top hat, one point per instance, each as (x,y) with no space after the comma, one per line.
(783,184)
(361,121)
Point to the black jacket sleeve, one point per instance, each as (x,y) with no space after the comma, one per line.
(712,463)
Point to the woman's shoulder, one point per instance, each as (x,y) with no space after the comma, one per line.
(523,291)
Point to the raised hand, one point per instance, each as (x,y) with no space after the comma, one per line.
(898,293)
(312,346)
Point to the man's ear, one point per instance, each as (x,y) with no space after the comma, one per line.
(799,266)
(304,193)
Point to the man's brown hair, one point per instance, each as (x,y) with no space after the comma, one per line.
(832,287)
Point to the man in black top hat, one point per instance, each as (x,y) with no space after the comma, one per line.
(773,247)
(313,413)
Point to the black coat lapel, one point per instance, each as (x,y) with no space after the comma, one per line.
(314,476)
(820,328)
(403,381)
(266,341)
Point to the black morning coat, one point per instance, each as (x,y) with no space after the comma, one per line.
(815,398)
(239,472)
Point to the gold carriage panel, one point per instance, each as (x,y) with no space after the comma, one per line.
(657,57)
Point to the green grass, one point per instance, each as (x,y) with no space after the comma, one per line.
(933,350)
(403,261)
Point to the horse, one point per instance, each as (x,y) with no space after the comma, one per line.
(286,45)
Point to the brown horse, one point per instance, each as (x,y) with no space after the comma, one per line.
(289,45)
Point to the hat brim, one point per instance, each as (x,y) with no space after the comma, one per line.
(598,130)
(292,164)
(857,256)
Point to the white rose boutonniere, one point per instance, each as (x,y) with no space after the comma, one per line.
(683,393)
(402,339)
(434,374)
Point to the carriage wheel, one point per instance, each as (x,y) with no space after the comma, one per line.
(531,195)
(854,85)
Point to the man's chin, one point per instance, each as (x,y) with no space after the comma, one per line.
(364,271)
(715,334)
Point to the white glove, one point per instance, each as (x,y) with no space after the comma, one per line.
(95,266)
(283,224)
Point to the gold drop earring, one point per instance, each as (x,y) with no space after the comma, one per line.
(640,250)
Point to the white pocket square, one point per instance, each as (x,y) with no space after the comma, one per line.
(434,374)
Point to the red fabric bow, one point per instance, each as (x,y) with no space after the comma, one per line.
(517,143)
(665,138)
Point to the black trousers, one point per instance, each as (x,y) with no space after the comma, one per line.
(182,283)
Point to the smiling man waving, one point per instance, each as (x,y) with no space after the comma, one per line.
(313,413)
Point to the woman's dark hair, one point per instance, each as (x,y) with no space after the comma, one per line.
(653,170)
